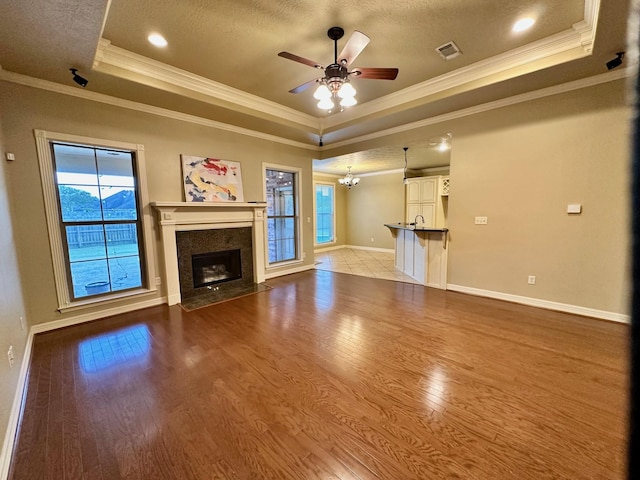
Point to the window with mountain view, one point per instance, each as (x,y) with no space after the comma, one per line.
(100,219)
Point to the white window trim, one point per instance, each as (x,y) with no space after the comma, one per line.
(47,177)
(298,179)
(315,215)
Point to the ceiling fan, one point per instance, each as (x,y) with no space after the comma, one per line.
(335,82)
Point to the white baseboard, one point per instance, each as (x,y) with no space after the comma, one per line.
(371,249)
(16,410)
(88,317)
(289,271)
(536,302)
(328,249)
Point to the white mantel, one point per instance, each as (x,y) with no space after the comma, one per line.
(182,216)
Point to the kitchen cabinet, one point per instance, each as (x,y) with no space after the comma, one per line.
(421,253)
(427,196)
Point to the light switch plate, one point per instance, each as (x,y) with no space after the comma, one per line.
(481,220)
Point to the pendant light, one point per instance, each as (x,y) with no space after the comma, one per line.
(404,179)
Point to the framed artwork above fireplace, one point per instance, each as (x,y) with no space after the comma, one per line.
(209,179)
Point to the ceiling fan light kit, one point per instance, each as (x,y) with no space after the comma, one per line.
(335,84)
(322,92)
(326,104)
(348,101)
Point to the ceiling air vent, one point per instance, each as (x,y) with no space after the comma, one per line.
(448,51)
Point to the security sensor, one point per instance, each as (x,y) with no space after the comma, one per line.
(78,79)
(616,62)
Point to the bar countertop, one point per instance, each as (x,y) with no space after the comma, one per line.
(413,227)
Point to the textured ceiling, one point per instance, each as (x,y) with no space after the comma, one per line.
(238,41)
(420,156)
(221,63)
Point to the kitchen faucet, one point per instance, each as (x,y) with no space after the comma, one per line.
(415,220)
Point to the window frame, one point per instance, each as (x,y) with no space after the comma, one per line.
(316,183)
(297,176)
(44,141)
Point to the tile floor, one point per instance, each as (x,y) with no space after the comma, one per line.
(365,263)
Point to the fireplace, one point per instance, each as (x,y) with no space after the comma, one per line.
(219,259)
(216,267)
(179,218)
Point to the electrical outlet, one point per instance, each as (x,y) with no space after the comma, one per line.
(481,220)
(158,281)
(23,324)
(531,280)
(372,240)
(10,356)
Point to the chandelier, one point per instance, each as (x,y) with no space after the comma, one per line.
(349,180)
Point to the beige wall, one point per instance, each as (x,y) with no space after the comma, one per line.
(11,302)
(520,166)
(378,199)
(341,208)
(24,109)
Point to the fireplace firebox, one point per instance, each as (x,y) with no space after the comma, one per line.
(205,263)
(216,267)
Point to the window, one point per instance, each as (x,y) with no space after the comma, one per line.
(99,218)
(282,215)
(325,216)
(94,198)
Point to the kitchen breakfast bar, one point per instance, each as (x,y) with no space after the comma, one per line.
(421,253)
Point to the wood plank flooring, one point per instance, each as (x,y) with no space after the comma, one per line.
(329,376)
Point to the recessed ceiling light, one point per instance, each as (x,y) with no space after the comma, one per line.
(523,24)
(157,40)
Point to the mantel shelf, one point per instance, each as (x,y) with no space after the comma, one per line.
(208,205)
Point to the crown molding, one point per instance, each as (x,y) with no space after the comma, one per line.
(25,80)
(111,55)
(587,27)
(485,107)
(579,39)
(141,107)
(576,42)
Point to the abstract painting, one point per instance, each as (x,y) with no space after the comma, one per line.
(211,180)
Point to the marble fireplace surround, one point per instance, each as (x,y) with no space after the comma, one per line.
(182,216)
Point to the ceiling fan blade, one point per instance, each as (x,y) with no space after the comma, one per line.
(376,73)
(354,47)
(303,87)
(298,59)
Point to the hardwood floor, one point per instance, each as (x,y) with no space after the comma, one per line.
(329,375)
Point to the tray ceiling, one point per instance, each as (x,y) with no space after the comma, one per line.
(221,63)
